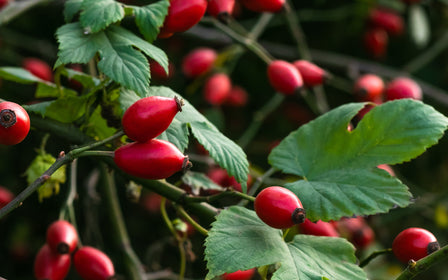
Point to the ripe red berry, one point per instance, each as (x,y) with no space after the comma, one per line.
(148,117)
(217,88)
(388,20)
(312,74)
(413,244)
(284,77)
(220,177)
(239,275)
(6,196)
(158,73)
(403,87)
(51,266)
(376,41)
(260,6)
(279,207)
(93,264)
(220,9)
(14,123)
(155,159)
(38,68)
(198,62)
(3,3)
(182,15)
(356,230)
(237,97)
(62,237)
(319,228)
(369,87)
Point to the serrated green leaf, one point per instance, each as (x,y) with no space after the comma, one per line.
(239,240)
(338,166)
(96,15)
(71,8)
(52,90)
(126,66)
(419,25)
(171,134)
(150,18)
(75,46)
(87,81)
(198,181)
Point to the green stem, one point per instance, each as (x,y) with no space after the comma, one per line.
(427,56)
(190,220)
(133,264)
(372,256)
(261,25)
(211,198)
(259,117)
(68,209)
(415,268)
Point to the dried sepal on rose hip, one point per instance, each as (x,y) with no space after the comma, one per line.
(14,123)
(93,264)
(279,207)
(414,244)
(148,117)
(62,237)
(49,265)
(154,159)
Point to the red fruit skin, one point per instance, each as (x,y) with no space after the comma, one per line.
(276,205)
(182,15)
(312,74)
(220,177)
(369,87)
(376,41)
(51,266)
(237,97)
(93,264)
(6,196)
(13,132)
(403,87)
(217,88)
(239,275)
(260,6)
(284,77)
(148,117)
(158,73)
(3,3)
(388,20)
(412,244)
(356,230)
(220,8)
(319,228)
(38,68)
(198,62)
(155,159)
(62,237)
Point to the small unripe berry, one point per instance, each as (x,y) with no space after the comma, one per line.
(414,244)
(403,87)
(279,207)
(217,88)
(284,77)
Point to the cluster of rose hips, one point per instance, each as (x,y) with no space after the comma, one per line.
(148,157)
(54,259)
(288,78)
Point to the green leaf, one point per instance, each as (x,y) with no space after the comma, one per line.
(126,66)
(239,240)
(18,75)
(224,151)
(75,46)
(198,181)
(71,8)
(150,18)
(96,126)
(51,90)
(419,25)
(86,80)
(98,14)
(339,166)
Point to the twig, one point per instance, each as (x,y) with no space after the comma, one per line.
(375,254)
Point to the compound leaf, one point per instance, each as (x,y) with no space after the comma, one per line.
(96,15)
(339,166)
(71,8)
(150,18)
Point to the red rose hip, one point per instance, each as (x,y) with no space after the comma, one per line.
(6,196)
(38,68)
(369,87)
(93,264)
(239,275)
(217,89)
(49,265)
(413,244)
(388,20)
(279,207)
(319,228)
(220,8)
(198,62)
(62,237)
(403,87)
(312,74)
(261,6)
(182,15)
(284,77)
(155,159)
(14,123)
(148,117)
